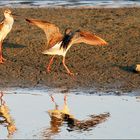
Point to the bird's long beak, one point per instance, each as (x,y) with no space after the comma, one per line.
(15,15)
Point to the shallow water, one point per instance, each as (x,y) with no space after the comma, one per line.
(70,3)
(29,110)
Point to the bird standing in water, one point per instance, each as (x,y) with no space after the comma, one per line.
(5,28)
(59,44)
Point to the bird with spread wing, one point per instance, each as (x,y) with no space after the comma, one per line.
(59,44)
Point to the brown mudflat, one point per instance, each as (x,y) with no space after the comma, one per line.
(106,67)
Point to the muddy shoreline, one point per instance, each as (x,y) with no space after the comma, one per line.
(106,68)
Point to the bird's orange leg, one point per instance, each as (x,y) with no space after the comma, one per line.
(68,71)
(56,106)
(1,61)
(1,57)
(65,99)
(1,95)
(50,63)
(52,98)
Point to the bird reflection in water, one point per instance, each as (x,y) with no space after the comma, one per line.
(5,117)
(60,117)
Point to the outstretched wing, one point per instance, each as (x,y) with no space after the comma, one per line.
(88,38)
(51,30)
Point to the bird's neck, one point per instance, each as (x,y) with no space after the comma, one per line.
(66,41)
(9,20)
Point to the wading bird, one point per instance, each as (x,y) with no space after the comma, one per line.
(59,44)
(5,28)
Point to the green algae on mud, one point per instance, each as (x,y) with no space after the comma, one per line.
(109,67)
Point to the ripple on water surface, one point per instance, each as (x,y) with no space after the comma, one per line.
(51,114)
(71,3)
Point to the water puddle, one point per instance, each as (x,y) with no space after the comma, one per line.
(34,114)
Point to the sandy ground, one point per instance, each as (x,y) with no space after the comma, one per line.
(108,67)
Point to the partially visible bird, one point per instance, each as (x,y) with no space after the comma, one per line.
(5,28)
(6,118)
(59,44)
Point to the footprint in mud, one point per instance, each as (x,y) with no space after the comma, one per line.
(60,117)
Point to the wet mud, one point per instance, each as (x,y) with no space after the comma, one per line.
(102,67)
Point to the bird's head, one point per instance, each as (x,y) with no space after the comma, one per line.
(7,13)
